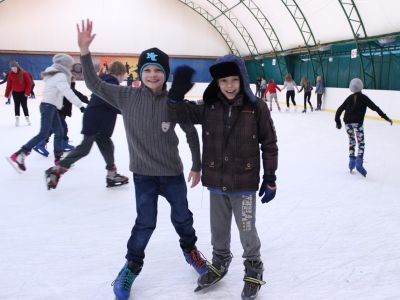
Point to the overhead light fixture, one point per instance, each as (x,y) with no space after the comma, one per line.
(387,40)
(325,48)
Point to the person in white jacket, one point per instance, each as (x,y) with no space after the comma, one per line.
(57,79)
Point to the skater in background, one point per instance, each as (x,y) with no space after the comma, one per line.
(57,80)
(5,75)
(65,111)
(271,89)
(258,87)
(355,107)
(263,87)
(307,87)
(98,126)
(19,84)
(154,157)
(319,90)
(234,124)
(290,86)
(129,80)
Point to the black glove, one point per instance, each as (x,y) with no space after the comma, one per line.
(182,83)
(82,109)
(268,189)
(388,119)
(338,124)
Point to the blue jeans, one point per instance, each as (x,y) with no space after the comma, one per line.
(49,122)
(147,189)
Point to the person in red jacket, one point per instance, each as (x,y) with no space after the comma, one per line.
(271,89)
(20,84)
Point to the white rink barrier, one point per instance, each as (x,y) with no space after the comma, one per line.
(388,101)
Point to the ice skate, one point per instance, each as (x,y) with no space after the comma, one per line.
(16,121)
(196,259)
(8,102)
(123,283)
(52,176)
(28,122)
(359,166)
(17,161)
(67,147)
(304,111)
(352,163)
(252,279)
(115,179)
(41,149)
(216,271)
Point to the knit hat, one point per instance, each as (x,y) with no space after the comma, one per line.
(224,69)
(13,63)
(63,59)
(356,85)
(154,56)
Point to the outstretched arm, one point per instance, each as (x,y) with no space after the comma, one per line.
(116,95)
(371,105)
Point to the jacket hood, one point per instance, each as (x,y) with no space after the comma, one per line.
(210,94)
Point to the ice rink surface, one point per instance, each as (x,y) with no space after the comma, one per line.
(328,234)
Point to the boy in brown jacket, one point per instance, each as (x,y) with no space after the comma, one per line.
(235,123)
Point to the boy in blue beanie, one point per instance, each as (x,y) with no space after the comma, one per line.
(154,158)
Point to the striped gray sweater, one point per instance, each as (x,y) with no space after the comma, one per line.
(152,141)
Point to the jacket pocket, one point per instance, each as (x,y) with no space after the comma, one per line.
(247,173)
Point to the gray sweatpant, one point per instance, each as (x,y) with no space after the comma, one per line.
(243,208)
(105,144)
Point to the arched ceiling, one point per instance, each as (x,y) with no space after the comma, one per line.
(248,28)
(258,26)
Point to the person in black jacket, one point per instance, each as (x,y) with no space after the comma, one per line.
(98,125)
(355,107)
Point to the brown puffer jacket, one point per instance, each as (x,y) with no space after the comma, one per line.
(232,135)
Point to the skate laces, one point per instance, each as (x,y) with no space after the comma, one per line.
(197,258)
(125,279)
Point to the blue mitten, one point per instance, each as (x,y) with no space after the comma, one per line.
(268,189)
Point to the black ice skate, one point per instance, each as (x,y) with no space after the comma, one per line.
(115,179)
(216,271)
(252,279)
(52,176)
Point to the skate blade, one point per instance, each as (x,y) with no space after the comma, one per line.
(12,163)
(109,185)
(41,153)
(205,287)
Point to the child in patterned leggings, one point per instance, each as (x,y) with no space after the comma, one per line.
(355,107)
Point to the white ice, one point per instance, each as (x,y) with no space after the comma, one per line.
(327,235)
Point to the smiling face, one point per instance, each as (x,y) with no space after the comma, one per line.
(229,86)
(153,78)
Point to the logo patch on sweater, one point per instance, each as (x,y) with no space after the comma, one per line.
(165,126)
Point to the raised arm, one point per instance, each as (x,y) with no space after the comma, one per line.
(116,95)
(181,111)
